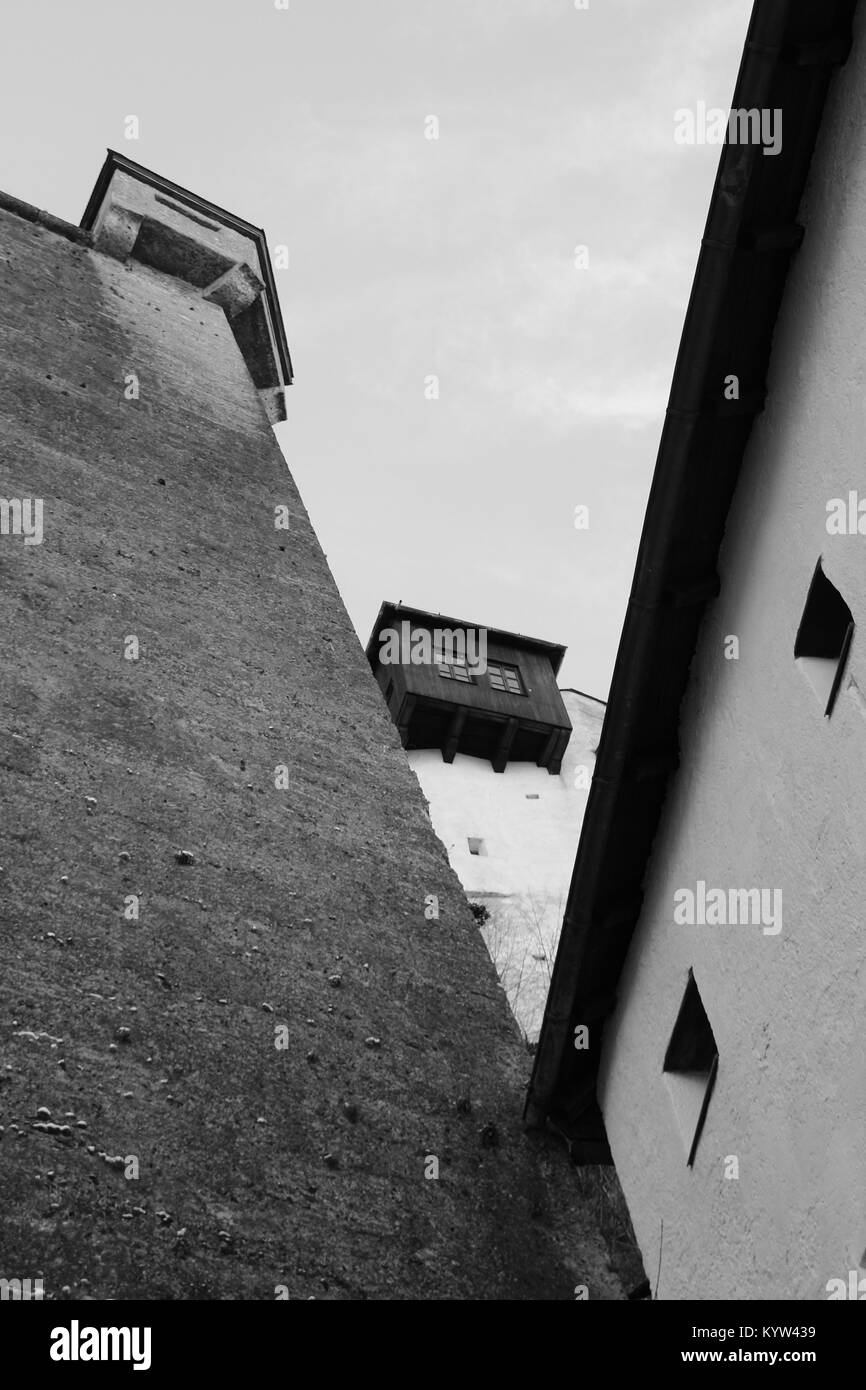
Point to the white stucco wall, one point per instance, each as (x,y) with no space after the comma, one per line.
(530,825)
(769,794)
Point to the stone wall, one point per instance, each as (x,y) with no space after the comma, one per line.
(152,1043)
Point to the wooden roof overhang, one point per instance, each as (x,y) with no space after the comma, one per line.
(394,613)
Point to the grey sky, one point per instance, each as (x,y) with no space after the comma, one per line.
(412,257)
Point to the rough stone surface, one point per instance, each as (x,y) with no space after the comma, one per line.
(189,1156)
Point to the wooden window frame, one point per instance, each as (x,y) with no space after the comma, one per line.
(501,668)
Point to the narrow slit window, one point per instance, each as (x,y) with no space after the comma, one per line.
(823,638)
(690,1066)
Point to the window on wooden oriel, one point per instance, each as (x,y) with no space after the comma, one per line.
(506,678)
(453,669)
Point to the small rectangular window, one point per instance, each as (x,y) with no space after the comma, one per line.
(505,678)
(476,846)
(454,669)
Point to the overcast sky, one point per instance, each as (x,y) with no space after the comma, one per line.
(412,257)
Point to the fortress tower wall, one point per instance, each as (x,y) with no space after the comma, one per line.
(153,1043)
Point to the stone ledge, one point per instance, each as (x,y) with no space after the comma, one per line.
(29,213)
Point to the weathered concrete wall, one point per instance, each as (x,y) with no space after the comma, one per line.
(769,794)
(155,1039)
(530,825)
